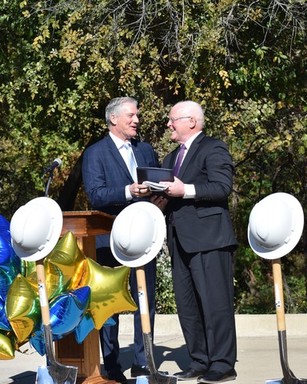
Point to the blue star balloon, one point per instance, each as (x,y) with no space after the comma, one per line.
(66,312)
(86,325)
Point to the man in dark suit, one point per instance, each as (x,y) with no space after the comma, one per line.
(110,187)
(201,243)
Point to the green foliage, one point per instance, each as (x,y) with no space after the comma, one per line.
(165,298)
(254,284)
(61,62)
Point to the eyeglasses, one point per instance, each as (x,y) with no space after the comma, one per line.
(173,119)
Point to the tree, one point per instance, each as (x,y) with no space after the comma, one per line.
(61,62)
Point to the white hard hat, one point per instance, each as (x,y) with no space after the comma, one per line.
(35,228)
(137,234)
(275,225)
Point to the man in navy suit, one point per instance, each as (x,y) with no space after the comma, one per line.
(110,187)
(201,241)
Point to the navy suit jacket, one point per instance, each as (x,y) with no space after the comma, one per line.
(105,173)
(203,223)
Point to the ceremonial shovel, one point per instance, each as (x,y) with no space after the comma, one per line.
(289,377)
(54,373)
(155,376)
(137,236)
(275,226)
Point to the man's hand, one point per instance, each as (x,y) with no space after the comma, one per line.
(160,201)
(139,190)
(175,188)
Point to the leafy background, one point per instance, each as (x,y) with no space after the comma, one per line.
(244,62)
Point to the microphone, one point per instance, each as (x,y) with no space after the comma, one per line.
(56,163)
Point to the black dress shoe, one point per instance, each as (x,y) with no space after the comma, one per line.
(117,376)
(189,374)
(139,370)
(215,377)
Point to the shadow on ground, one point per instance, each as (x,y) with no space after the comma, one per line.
(161,354)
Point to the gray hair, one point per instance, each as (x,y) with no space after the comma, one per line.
(192,106)
(115,105)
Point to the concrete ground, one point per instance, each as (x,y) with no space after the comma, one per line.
(258,350)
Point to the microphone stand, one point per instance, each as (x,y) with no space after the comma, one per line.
(48,182)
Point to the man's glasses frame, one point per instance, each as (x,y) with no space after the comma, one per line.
(173,119)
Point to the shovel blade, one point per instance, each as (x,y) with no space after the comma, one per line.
(276,381)
(56,375)
(156,378)
(43,376)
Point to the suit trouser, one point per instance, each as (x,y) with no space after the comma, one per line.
(203,285)
(109,334)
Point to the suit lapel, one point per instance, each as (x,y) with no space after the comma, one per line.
(139,156)
(114,153)
(191,152)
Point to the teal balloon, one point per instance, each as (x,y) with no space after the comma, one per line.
(85,326)
(6,280)
(4,323)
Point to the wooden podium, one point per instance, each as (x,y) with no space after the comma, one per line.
(85,225)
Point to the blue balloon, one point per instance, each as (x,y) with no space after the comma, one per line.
(85,326)
(67,309)
(66,312)
(4,323)
(5,228)
(38,342)
(9,262)
(5,251)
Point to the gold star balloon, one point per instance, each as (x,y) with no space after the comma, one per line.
(7,350)
(54,278)
(22,308)
(109,289)
(66,256)
(60,266)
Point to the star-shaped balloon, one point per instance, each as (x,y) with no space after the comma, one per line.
(82,294)
(66,312)
(7,350)
(109,290)
(66,256)
(60,266)
(86,326)
(22,308)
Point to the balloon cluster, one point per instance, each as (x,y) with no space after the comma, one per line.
(82,294)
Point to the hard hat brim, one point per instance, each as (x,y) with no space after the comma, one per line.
(56,224)
(296,231)
(160,231)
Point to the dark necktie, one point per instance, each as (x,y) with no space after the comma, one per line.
(179,159)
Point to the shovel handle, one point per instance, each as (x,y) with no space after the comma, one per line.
(143,299)
(279,295)
(42,291)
